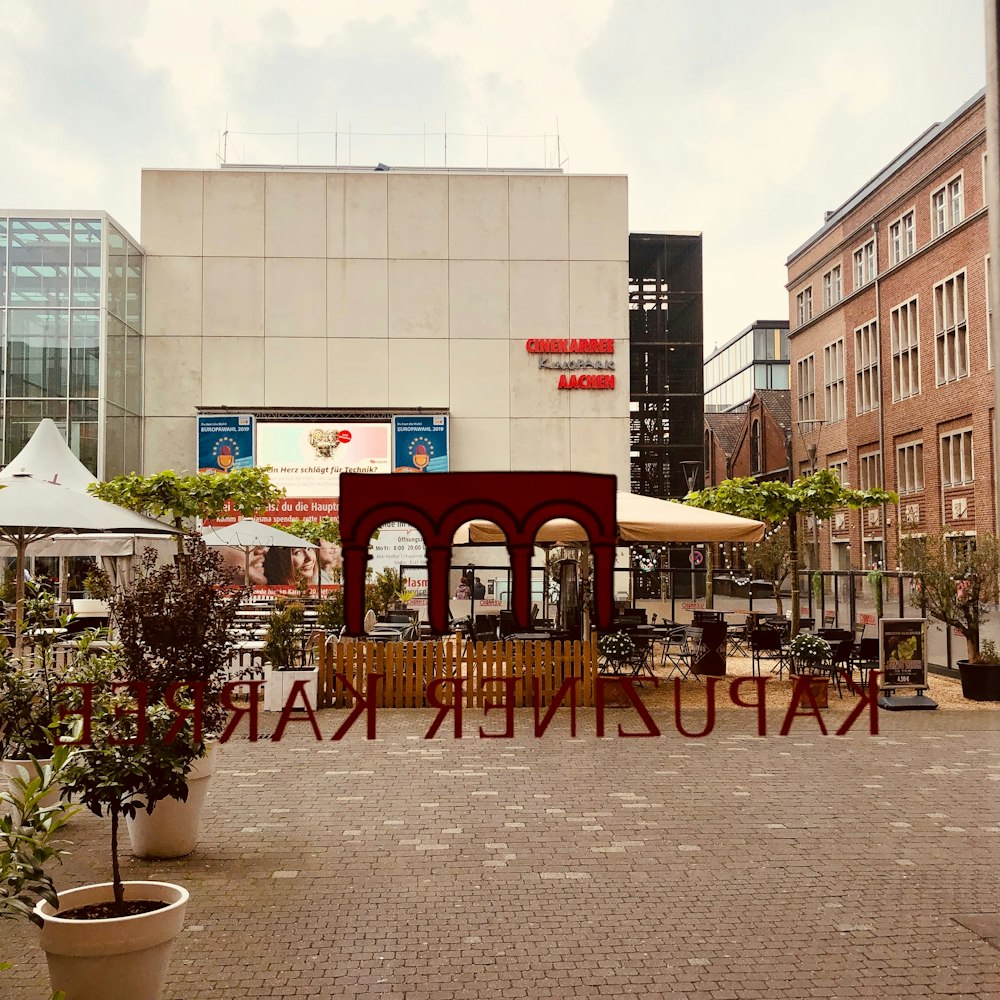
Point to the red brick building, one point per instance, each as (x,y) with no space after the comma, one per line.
(891,372)
(755,441)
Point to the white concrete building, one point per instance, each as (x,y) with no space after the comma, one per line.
(281,291)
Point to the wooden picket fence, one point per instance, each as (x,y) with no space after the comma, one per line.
(406,669)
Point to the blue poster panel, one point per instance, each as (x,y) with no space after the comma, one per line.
(420,443)
(225,442)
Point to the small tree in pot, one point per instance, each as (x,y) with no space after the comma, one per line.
(284,651)
(28,838)
(132,756)
(173,624)
(959,586)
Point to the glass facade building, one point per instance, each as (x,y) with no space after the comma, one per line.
(756,358)
(71,290)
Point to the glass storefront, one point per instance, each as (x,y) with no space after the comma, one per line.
(52,320)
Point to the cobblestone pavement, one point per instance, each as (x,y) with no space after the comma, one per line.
(727,867)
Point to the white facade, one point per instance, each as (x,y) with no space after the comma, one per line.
(278,289)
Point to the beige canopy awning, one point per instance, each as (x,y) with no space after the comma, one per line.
(640,519)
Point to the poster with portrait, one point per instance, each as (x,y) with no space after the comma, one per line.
(225,442)
(307,459)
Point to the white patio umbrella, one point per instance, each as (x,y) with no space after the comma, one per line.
(641,519)
(32,509)
(247,535)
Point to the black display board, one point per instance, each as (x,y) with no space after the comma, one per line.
(902,653)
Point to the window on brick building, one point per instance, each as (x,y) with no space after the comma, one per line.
(832,286)
(806,385)
(902,238)
(864,264)
(956,458)
(947,206)
(870,471)
(834,382)
(910,468)
(839,469)
(804,305)
(755,448)
(951,329)
(866,358)
(905,344)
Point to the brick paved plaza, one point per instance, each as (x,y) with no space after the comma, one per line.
(728,867)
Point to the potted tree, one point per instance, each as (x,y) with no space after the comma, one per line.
(173,626)
(958,586)
(29,839)
(28,691)
(112,941)
(284,652)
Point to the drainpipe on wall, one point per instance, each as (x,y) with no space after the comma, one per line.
(881,409)
(993,200)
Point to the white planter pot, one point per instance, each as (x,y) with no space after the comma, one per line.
(10,766)
(88,606)
(120,958)
(278,687)
(171,829)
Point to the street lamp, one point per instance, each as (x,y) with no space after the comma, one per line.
(811,450)
(691,470)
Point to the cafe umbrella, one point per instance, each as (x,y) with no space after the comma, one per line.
(248,535)
(639,519)
(33,509)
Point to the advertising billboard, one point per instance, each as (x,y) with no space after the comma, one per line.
(420,443)
(225,442)
(307,460)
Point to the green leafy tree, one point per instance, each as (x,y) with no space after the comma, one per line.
(326,529)
(29,838)
(769,559)
(283,642)
(386,591)
(122,770)
(182,499)
(779,503)
(959,587)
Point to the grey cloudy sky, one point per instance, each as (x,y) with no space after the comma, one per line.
(742,120)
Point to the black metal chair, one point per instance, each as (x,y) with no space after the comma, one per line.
(841,657)
(767,646)
(642,655)
(739,638)
(865,658)
(688,650)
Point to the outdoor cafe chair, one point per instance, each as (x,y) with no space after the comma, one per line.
(690,649)
(739,639)
(641,659)
(767,646)
(865,658)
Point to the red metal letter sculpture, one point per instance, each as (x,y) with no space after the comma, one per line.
(519,503)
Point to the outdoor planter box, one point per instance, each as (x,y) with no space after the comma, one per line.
(278,686)
(980,681)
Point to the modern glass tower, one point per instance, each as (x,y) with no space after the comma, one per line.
(71,329)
